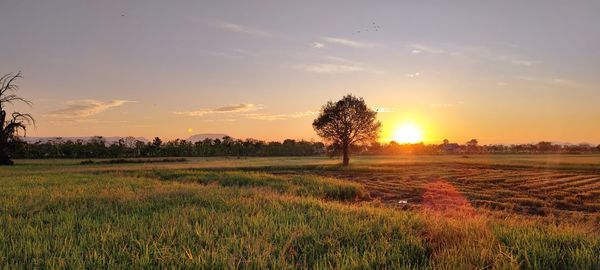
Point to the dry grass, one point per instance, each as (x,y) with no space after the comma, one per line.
(531,191)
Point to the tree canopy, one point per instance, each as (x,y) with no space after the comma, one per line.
(346,123)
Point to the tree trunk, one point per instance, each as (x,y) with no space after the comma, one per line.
(346,160)
(4,158)
(2,119)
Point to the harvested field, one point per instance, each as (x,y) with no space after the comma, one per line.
(522,190)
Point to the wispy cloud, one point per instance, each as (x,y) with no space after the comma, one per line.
(554,81)
(565,82)
(330,68)
(274,117)
(86,108)
(413,75)
(337,65)
(475,52)
(219,120)
(238,28)
(522,62)
(242,111)
(419,48)
(351,43)
(506,58)
(317,45)
(235,108)
(236,53)
(528,78)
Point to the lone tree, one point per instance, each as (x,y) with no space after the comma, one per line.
(472,145)
(346,123)
(10,125)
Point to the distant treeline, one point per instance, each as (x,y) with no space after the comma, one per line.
(97,147)
(472,147)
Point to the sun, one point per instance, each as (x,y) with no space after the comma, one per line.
(408,133)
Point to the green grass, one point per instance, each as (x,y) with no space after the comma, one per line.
(302,185)
(58,215)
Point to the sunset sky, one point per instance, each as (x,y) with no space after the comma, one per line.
(504,72)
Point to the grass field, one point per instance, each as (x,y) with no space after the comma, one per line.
(406,212)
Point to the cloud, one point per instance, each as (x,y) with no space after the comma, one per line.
(234,54)
(564,82)
(351,43)
(337,65)
(274,117)
(86,108)
(232,27)
(317,45)
(240,111)
(419,48)
(266,117)
(235,112)
(330,68)
(243,107)
(505,58)
(475,52)
(528,78)
(555,81)
(521,62)
(236,108)
(413,75)
(219,120)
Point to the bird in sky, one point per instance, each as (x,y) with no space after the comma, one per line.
(373,27)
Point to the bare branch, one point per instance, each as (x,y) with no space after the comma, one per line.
(8,84)
(9,129)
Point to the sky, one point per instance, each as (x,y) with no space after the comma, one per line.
(499,71)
